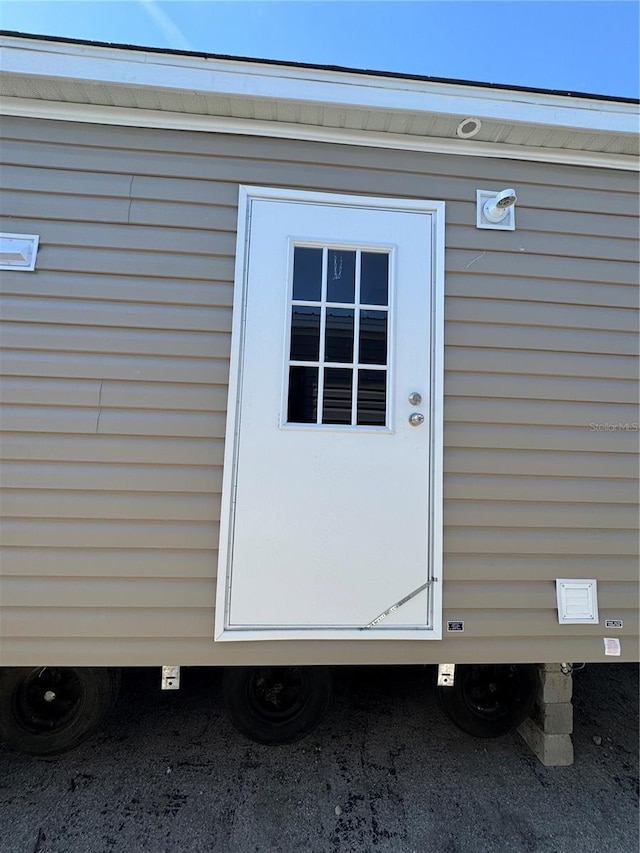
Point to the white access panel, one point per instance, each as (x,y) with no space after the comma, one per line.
(333,529)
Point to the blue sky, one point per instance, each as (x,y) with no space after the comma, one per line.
(569,45)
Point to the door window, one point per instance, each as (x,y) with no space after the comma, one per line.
(339,332)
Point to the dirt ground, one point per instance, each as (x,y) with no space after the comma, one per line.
(386,771)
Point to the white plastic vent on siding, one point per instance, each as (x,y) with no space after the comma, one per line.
(577,601)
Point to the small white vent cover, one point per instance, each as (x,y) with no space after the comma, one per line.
(18,252)
(577,601)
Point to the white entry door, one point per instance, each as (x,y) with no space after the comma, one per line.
(331,521)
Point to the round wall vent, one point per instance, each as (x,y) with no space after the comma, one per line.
(468,128)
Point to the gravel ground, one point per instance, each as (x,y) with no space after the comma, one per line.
(386,771)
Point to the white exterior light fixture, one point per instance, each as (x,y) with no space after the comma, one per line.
(496,209)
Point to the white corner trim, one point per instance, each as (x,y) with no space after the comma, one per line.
(237,78)
(130,117)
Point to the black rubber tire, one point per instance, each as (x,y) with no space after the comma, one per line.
(490,700)
(276,705)
(48,710)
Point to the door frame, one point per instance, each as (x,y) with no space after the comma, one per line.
(436,209)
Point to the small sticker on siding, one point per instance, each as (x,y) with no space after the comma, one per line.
(455,626)
(613,623)
(611,646)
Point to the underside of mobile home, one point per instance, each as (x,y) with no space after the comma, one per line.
(271,350)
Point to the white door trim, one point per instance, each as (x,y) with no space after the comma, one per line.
(247,195)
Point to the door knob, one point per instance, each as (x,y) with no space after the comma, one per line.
(416,419)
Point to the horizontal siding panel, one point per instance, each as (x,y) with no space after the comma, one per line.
(72,593)
(534,624)
(50,419)
(538,412)
(130,506)
(25,503)
(75,593)
(484,359)
(123,422)
(197,370)
(158,450)
(103,421)
(164,395)
(353,157)
(540,438)
(283,164)
(170,212)
(95,197)
(169,450)
(49,533)
(90,562)
(119,288)
(538,567)
(26,177)
(532,243)
(36,391)
(525,337)
(104,366)
(548,291)
(184,215)
(540,463)
(81,339)
(434,178)
(545,201)
(192,622)
(505,540)
(47,206)
(194,237)
(131,395)
(540,514)
(505,311)
(111,478)
(177,563)
(149,264)
(540,266)
(551,488)
(584,222)
(536,214)
(152,651)
(105,622)
(174,210)
(84,313)
(196,244)
(540,387)
(523,596)
(201,191)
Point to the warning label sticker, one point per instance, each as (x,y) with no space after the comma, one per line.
(611,646)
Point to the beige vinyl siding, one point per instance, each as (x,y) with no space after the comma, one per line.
(114,381)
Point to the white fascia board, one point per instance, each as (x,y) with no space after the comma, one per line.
(234,78)
(129,117)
